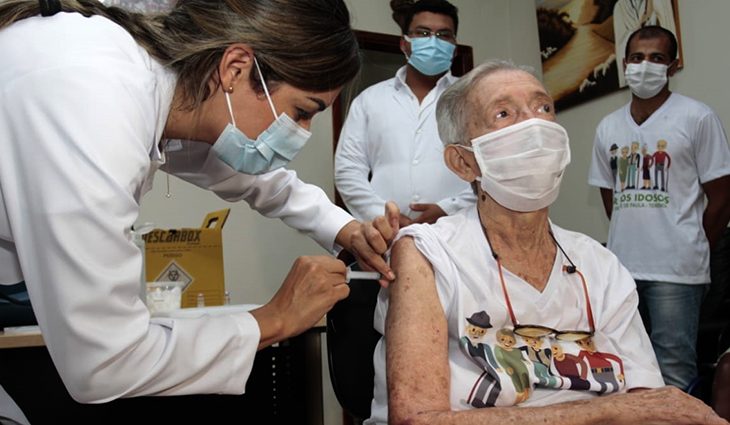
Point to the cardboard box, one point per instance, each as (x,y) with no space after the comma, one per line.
(189,255)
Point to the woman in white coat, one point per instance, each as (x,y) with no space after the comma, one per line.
(94,99)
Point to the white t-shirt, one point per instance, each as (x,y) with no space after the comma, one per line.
(657,232)
(83,111)
(389,134)
(469,288)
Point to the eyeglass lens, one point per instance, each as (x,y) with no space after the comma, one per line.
(442,34)
(537,331)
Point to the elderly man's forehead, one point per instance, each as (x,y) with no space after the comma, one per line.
(503,85)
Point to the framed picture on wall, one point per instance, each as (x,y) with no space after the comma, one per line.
(582,43)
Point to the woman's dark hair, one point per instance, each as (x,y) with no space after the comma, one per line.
(405,10)
(308,44)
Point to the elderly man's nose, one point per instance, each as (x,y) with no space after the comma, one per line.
(526,114)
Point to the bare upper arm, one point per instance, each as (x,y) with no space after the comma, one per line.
(718,190)
(416,338)
(607,198)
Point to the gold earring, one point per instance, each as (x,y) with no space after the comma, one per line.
(230,89)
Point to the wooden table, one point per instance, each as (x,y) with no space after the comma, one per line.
(27,338)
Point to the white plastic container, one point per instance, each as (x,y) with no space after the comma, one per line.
(164,297)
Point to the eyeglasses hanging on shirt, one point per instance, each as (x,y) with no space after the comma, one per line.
(539,331)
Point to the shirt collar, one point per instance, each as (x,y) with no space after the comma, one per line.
(445,81)
(166,82)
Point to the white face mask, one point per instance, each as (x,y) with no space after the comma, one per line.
(646,79)
(522,165)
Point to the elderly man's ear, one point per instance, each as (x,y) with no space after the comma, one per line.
(461,162)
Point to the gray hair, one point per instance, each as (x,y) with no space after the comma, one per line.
(454,108)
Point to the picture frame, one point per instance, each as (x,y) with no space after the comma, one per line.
(582,43)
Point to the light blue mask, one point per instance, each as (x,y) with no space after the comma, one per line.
(274,148)
(430,55)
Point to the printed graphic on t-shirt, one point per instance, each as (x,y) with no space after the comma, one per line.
(640,177)
(513,365)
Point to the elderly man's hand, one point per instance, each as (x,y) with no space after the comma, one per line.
(369,241)
(429,213)
(667,405)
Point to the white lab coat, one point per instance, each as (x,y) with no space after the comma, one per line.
(82,110)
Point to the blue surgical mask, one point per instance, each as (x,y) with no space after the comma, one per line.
(430,55)
(274,148)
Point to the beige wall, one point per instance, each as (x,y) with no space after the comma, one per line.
(259,251)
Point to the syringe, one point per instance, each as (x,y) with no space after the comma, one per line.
(361,275)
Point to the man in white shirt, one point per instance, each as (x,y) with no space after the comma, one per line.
(390,132)
(663,231)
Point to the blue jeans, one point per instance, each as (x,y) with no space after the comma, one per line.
(671,312)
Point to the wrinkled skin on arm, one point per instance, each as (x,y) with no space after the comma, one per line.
(416,338)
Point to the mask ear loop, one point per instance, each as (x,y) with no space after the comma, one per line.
(478,159)
(410,41)
(230,108)
(266,90)
(168,194)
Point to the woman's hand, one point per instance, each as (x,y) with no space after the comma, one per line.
(312,287)
(369,241)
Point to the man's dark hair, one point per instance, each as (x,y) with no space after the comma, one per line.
(405,10)
(654,31)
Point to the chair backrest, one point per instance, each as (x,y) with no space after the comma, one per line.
(15,308)
(351,342)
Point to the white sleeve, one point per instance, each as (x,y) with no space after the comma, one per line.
(352,166)
(711,150)
(599,173)
(75,149)
(276,194)
(619,321)
(463,199)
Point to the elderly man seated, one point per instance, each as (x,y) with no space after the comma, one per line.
(496,307)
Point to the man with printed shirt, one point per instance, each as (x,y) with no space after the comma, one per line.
(663,231)
(389,148)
